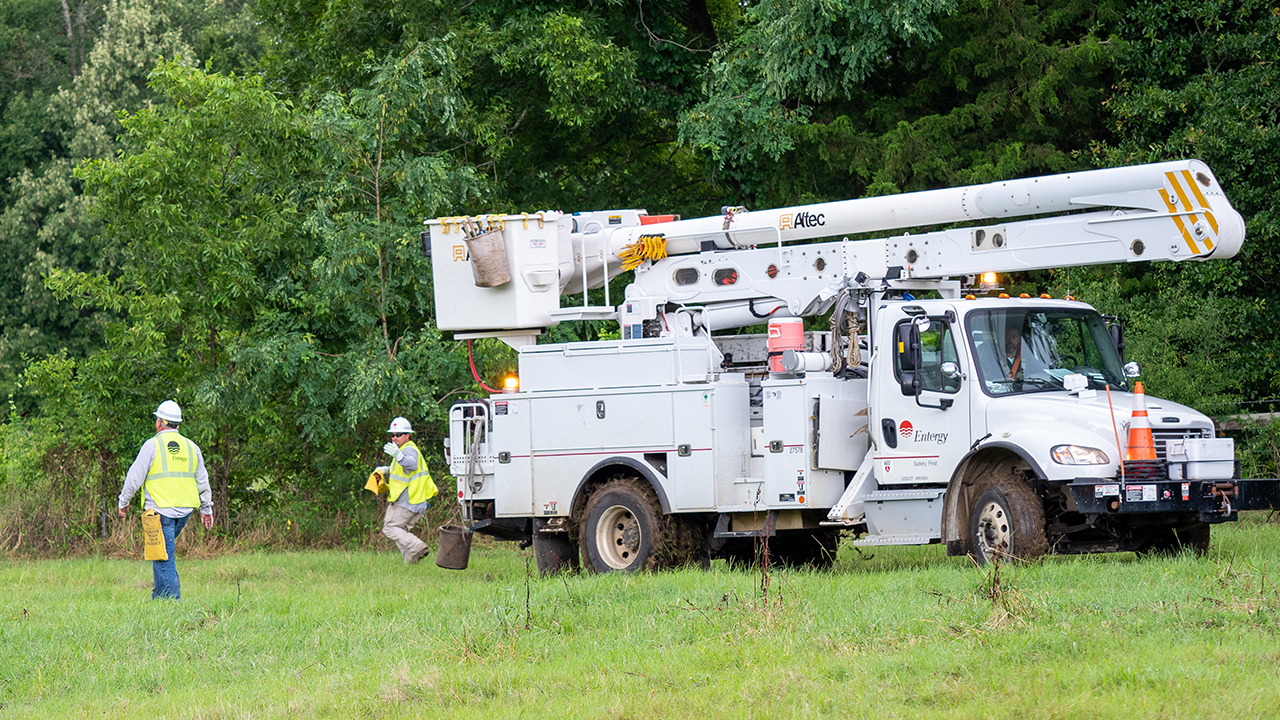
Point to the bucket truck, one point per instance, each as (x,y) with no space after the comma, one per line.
(921,414)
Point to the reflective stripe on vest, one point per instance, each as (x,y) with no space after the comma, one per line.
(171,481)
(421,487)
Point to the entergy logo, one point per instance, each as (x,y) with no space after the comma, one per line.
(906,429)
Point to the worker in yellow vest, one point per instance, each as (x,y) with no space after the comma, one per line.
(410,491)
(170,472)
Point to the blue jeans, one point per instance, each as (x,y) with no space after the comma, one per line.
(165,572)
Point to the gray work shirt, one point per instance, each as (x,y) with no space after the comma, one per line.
(136,480)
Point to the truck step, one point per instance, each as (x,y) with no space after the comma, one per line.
(908,494)
(897,540)
(903,517)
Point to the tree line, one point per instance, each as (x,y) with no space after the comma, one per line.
(219,201)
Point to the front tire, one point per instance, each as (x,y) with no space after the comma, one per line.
(621,528)
(1006,521)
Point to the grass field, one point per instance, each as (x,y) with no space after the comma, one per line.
(898,633)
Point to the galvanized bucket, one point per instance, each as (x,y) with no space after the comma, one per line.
(455,547)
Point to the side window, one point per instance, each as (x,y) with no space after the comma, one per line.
(937,346)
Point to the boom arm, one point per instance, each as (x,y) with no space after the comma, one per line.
(738,266)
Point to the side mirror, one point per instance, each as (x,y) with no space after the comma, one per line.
(910,356)
(1116,330)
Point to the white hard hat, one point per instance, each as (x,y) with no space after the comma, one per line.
(400,425)
(169,411)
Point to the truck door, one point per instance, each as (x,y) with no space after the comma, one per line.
(920,438)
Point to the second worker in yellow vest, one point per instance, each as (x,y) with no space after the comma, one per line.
(411,490)
(170,472)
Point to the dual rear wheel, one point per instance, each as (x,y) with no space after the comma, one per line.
(620,532)
(621,528)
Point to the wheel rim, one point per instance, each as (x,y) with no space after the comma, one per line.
(994,535)
(618,537)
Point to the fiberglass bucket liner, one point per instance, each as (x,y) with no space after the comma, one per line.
(489,259)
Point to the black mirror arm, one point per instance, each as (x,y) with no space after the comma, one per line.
(943,403)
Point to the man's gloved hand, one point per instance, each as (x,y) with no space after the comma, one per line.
(391,449)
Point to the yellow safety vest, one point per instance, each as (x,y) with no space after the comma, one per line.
(421,486)
(171,481)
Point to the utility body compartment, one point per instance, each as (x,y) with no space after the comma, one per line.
(708,440)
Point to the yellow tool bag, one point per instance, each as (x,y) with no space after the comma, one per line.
(376,484)
(153,536)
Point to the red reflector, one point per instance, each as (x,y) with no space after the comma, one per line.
(655,219)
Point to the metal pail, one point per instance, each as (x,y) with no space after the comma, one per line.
(455,547)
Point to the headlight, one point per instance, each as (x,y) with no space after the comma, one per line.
(1077,455)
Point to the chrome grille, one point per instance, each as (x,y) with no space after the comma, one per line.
(1164,435)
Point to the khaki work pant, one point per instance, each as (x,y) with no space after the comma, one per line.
(396,527)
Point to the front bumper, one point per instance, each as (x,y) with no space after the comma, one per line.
(1212,500)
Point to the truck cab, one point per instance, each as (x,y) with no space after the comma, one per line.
(1013,392)
(1039,377)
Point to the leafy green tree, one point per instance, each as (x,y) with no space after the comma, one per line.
(202,208)
(114,77)
(568,105)
(73,66)
(47,225)
(1203,81)
(270,274)
(37,59)
(370,297)
(821,101)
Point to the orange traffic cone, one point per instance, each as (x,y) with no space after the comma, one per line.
(1142,445)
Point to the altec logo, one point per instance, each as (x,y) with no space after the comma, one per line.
(791,221)
(906,429)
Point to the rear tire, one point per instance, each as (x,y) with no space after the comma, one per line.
(1006,521)
(621,528)
(554,553)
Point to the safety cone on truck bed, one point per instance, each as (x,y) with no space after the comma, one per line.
(1142,445)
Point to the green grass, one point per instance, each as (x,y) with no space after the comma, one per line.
(897,633)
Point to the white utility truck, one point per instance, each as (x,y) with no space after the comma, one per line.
(996,425)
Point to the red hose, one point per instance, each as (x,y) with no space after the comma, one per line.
(475,374)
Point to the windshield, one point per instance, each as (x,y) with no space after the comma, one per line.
(1020,351)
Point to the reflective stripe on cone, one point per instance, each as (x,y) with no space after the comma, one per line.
(1142,445)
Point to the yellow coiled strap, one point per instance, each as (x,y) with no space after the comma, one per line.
(646,247)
